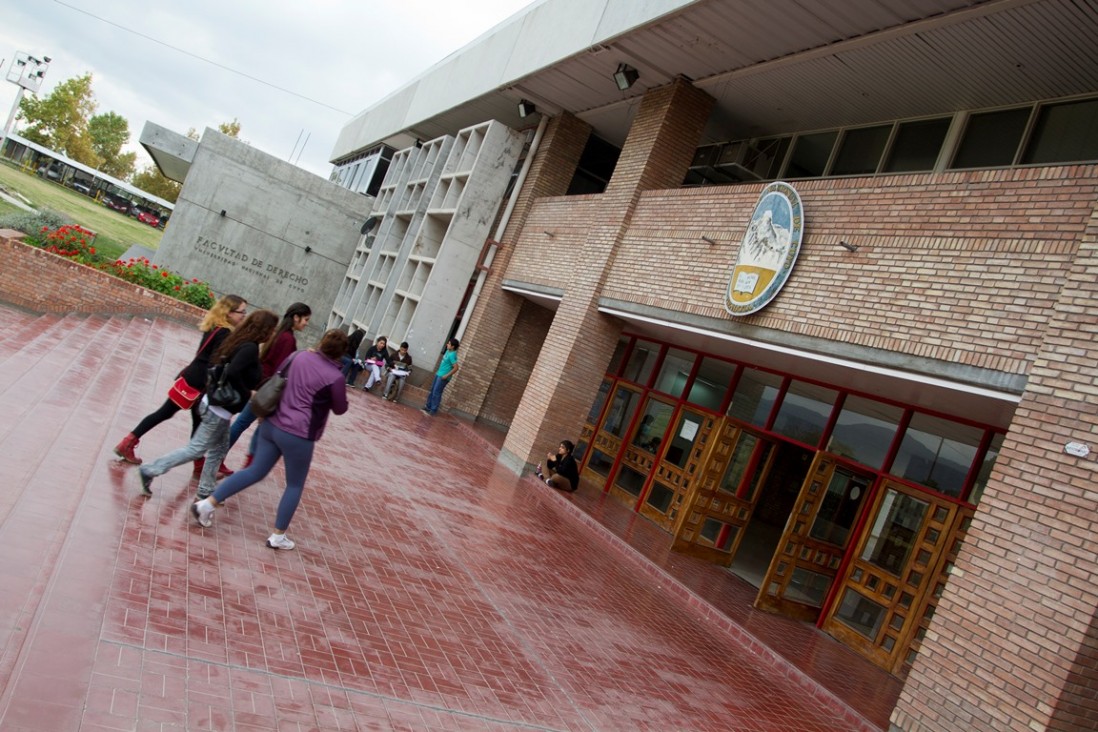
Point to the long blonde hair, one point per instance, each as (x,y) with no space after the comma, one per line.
(218,315)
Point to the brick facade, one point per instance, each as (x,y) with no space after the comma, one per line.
(38,280)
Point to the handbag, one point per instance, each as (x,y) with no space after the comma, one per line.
(221,392)
(267,397)
(182,394)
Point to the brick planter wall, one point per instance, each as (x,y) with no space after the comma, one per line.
(37,280)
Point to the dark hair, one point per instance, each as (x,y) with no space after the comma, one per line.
(333,344)
(567,444)
(381,338)
(454,342)
(404,345)
(256,328)
(297,310)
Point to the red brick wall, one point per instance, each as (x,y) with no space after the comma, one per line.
(1012,645)
(37,280)
(516,363)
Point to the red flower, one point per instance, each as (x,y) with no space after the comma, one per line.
(154,266)
(162,274)
(177,288)
(91,250)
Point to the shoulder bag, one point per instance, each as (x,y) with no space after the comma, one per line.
(182,394)
(221,392)
(267,397)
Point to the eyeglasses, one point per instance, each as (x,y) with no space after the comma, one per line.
(239,312)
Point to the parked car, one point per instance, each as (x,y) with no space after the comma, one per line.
(149,217)
(52,172)
(81,187)
(118,203)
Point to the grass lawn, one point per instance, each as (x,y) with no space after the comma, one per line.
(6,208)
(116,232)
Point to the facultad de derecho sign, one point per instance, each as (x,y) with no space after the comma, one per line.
(237,259)
(768,250)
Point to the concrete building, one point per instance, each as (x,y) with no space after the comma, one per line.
(898,444)
(252,224)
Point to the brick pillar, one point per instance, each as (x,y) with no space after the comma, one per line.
(494,316)
(1012,645)
(573,360)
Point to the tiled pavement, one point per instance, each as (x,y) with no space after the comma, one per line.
(431,589)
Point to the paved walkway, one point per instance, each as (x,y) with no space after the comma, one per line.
(431,588)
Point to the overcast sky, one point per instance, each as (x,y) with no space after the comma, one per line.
(344,55)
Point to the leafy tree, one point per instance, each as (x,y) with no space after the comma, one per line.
(150,180)
(108,133)
(60,120)
(232,129)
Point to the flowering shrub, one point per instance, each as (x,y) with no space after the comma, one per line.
(75,243)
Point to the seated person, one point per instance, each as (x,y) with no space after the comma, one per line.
(400,367)
(350,368)
(376,358)
(563,470)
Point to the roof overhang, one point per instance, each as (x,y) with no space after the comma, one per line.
(172,152)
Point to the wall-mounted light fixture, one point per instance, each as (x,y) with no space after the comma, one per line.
(222,213)
(847,246)
(626,76)
(526,108)
(549,234)
(308,249)
(368,225)
(708,241)
(419,143)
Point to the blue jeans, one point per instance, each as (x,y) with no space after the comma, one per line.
(273,444)
(210,440)
(242,422)
(350,369)
(434,399)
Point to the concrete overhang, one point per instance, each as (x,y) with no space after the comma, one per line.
(172,152)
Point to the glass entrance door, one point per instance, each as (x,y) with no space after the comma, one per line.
(645,445)
(891,586)
(678,467)
(607,438)
(713,522)
(817,534)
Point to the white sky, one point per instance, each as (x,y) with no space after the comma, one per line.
(345,54)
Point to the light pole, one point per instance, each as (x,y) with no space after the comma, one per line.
(26,72)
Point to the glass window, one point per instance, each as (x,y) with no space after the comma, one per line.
(641,362)
(864,430)
(861,150)
(600,462)
(1064,133)
(653,425)
(917,145)
(937,453)
(894,531)
(805,411)
(807,587)
(682,442)
(600,400)
(660,497)
(718,533)
(985,468)
(629,480)
(810,155)
(711,383)
(579,451)
(991,138)
(675,372)
(621,410)
(737,464)
(861,614)
(839,507)
(619,355)
(755,394)
(768,157)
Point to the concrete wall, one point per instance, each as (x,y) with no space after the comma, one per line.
(285,236)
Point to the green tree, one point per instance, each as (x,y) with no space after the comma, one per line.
(60,121)
(232,129)
(151,180)
(108,133)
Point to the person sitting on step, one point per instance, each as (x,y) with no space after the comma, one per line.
(563,470)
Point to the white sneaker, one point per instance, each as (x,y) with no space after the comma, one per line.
(279,541)
(203,512)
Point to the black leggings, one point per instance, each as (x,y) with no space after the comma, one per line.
(167,411)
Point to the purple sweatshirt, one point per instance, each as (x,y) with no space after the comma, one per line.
(315,386)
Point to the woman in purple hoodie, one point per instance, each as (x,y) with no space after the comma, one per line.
(315,387)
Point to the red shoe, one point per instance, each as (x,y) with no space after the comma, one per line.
(223,472)
(198,465)
(125,448)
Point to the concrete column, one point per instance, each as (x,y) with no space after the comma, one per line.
(573,360)
(494,317)
(1013,644)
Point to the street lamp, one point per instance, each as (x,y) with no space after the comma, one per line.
(26,72)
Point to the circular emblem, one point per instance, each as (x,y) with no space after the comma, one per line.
(768,250)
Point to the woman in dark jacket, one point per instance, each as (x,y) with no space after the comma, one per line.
(314,389)
(226,314)
(238,361)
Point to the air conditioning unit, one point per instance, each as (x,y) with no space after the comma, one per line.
(743,161)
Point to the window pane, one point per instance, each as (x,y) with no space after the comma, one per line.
(861,614)
(1064,133)
(674,372)
(937,453)
(737,464)
(629,480)
(621,411)
(864,430)
(682,442)
(711,383)
(861,150)
(579,451)
(770,156)
(916,145)
(894,531)
(619,355)
(718,533)
(839,508)
(600,400)
(660,497)
(754,397)
(805,411)
(807,587)
(810,155)
(653,425)
(600,462)
(641,362)
(991,139)
(985,469)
